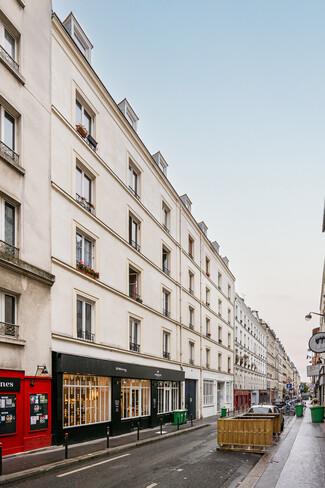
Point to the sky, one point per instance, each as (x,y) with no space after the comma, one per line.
(232,94)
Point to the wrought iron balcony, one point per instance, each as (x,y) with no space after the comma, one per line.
(191,361)
(134,347)
(191,291)
(132,190)
(85,335)
(166,354)
(87,205)
(134,244)
(8,59)
(166,270)
(135,296)
(166,312)
(191,326)
(166,228)
(82,131)
(9,249)
(8,153)
(9,330)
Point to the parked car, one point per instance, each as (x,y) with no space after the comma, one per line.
(279,402)
(267,409)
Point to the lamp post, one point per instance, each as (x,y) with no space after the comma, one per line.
(309,315)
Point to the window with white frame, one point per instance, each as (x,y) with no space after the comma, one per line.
(134,180)
(86,400)
(134,284)
(134,334)
(135,398)
(207,357)
(83,118)
(208,392)
(166,302)
(168,394)
(84,189)
(85,319)
(165,217)
(8,226)
(166,260)
(8,133)
(219,361)
(229,292)
(219,308)
(207,266)
(191,246)
(207,327)
(191,352)
(227,392)
(219,281)
(191,282)
(229,340)
(229,316)
(207,297)
(166,344)
(220,334)
(84,250)
(8,315)
(191,317)
(134,232)
(9,45)
(229,364)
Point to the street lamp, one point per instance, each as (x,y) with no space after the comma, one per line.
(308,316)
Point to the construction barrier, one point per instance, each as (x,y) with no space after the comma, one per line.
(245,434)
(276,418)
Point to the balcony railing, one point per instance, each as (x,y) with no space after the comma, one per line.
(9,249)
(135,296)
(166,354)
(208,365)
(134,244)
(87,205)
(9,153)
(132,190)
(191,361)
(166,312)
(9,330)
(191,291)
(191,326)
(166,270)
(85,335)
(6,57)
(86,137)
(208,334)
(134,347)
(166,228)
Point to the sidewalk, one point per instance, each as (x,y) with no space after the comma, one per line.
(297,461)
(20,466)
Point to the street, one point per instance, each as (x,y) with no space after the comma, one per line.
(190,460)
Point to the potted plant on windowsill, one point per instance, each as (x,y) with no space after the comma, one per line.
(209,334)
(82,130)
(138,299)
(88,271)
(208,274)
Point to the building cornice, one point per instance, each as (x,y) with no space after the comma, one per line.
(22,267)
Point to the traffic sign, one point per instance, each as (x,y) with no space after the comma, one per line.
(289,386)
(301,387)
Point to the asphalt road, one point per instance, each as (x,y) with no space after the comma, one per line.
(187,461)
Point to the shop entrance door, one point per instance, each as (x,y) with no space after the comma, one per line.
(190,398)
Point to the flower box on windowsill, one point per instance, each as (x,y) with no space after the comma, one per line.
(82,130)
(88,271)
(208,274)
(139,300)
(208,334)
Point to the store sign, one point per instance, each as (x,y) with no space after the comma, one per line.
(9,384)
(313,370)
(317,342)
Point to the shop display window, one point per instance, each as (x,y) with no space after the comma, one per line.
(39,418)
(86,400)
(135,398)
(7,414)
(167,396)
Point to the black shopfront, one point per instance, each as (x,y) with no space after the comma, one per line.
(90,394)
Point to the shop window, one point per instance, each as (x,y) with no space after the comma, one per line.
(86,400)
(208,392)
(135,398)
(167,396)
(85,320)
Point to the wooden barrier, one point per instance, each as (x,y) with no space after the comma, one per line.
(245,434)
(276,418)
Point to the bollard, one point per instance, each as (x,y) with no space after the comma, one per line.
(191,420)
(161,426)
(0,459)
(107,438)
(177,423)
(138,432)
(66,438)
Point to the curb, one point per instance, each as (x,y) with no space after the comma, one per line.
(254,475)
(29,473)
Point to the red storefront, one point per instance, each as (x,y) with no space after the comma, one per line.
(25,411)
(242,399)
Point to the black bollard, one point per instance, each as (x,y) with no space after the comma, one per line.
(177,423)
(161,426)
(66,439)
(107,438)
(191,420)
(138,432)
(0,459)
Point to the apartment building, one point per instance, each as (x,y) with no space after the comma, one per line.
(250,370)
(142,307)
(25,252)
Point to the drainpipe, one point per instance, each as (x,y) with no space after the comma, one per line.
(201,369)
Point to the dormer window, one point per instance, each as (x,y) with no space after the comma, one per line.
(160,162)
(129,113)
(78,35)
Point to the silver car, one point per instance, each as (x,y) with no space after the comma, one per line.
(267,409)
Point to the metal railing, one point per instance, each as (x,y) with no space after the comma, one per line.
(85,335)
(10,330)
(166,354)
(191,361)
(191,291)
(166,312)
(87,205)
(134,244)
(132,190)
(208,365)
(7,152)
(134,347)
(191,326)
(166,228)
(88,139)
(9,249)
(166,270)
(6,57)
(135,296)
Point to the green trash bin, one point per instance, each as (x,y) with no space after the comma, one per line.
(180,416)
(317,414)
(223,412)
(299,410)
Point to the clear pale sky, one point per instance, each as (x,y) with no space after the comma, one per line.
(232,94)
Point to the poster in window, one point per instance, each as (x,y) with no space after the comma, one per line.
(39,411)
(7,414)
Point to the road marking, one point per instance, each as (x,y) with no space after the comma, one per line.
(152,485)
(88,467)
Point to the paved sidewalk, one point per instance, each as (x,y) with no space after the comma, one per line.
(29,463)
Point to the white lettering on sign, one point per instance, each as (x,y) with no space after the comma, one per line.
(7,384)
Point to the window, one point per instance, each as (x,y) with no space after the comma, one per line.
(8,313)
(8,46)
(166,304)
(208,392)
(84,190)
(134,284)
(229,292)
(8,129)
(165,260)
(229,365)
(219,308)
(219,281)
(84,250)
(134,181)
(191,247)
(207,266)
(207,327)
(227,392)
(85,320)
(85,123)
(229,340)
(135,398)
(229,316)
(220,334)
(134,232)
(86,400)
(219,361)
(191,282)
(191,317)
(8,226)
(191,352)
(165,217)
(134,335)
(207,297)
(166,345)
(168,393)
(207,357)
